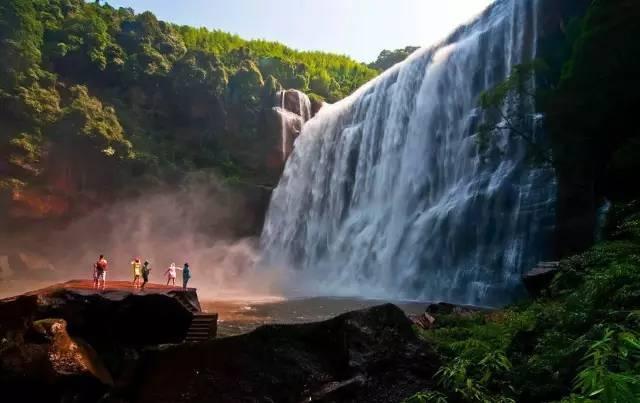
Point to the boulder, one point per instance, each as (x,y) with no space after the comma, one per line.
(371,355)
(92,345)
(118,316)
(540,277)
(425,321)
(46,364)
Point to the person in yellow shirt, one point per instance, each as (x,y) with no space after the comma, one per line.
(137,272)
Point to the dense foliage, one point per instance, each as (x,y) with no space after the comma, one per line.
(579,341)
(586,89)
(94,98)
(330,76)
(388,58)
(591,117)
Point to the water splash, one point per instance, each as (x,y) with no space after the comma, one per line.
(385,194)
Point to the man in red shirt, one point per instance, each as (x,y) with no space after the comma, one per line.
(100,272)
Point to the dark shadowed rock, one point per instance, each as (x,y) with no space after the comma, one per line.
(117,316)
(370,355)
(46,364)
(539,278)
(71,343)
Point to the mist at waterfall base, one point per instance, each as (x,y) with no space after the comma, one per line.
(195,222)
(386,194)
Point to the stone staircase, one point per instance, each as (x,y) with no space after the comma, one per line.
(204,326)
(184,301)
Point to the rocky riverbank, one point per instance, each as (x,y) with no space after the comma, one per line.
(70,343)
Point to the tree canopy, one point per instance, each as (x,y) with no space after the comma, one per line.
(147,98)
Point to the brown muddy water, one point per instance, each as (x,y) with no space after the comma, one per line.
(236,317)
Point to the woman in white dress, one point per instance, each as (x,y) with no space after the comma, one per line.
(171,274)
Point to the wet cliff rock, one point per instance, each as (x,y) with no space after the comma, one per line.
(370,355)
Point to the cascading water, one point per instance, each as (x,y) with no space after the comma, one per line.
(385,194)
(293,115)
(283,124)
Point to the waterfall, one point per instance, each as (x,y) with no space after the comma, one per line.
(293,115)
(283,124)
(386,196)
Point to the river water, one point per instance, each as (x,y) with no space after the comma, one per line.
(236,317)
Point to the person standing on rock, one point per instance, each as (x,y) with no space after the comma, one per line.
(137,271)
(171,274)
(95,275)
(100,273)
(186,275)
(146,269)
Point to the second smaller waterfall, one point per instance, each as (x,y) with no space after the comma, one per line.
(294,109)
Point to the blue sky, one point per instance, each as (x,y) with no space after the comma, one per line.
(358,28)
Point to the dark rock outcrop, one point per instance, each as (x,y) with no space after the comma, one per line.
(539,278)
(46,364)
(370,355)
(69,342)
(104,319)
